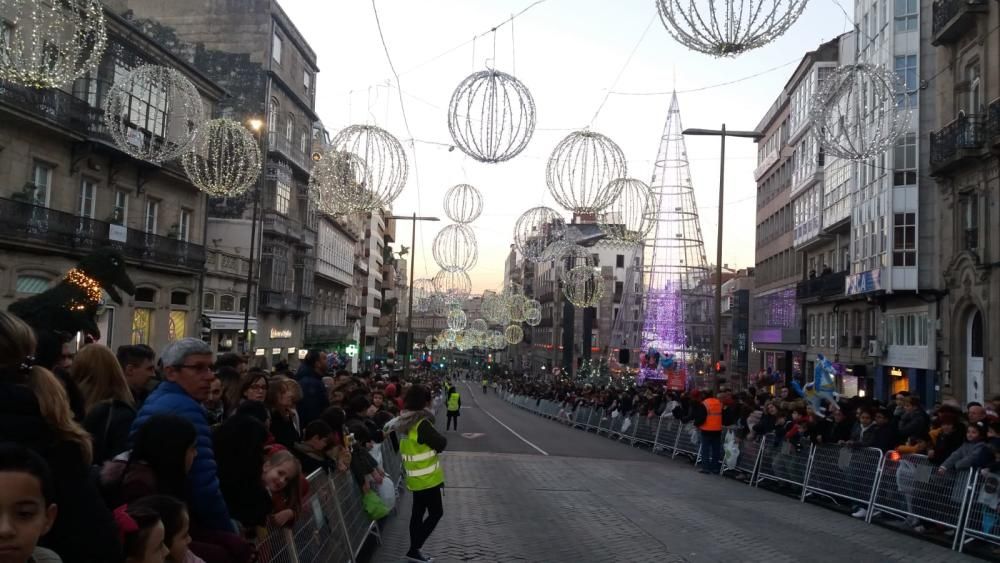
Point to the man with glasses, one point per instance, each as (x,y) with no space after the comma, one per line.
(187,373)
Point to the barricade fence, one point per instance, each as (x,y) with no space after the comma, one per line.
(333,525)
(907,488)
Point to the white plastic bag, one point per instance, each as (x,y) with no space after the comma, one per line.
(731,451)
(387,492)
(626,424)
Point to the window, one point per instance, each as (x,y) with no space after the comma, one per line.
(272,120)
(208,302)
(145,294)
(41,177)
(972,76)
(290,128)
(905,161)
(303,142)
(276,48)
(283,196)
(31,284)
(812,330)
(821,319)
(904,239)
(85,202)
(831,320)
(152,216)
(227,303)
(306,80)
(179,298)
(177,326)
(119,214)
(905,14)
(184,225)
(142,325)
(620,261)
(906,72)
(6,40)
(145,107)
(969,205)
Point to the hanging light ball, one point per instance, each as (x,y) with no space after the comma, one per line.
(856,114)
(535,232)
(491,116)
(513,334)
(455,285)
(534,304)
(533,317)
(47,44)
(630,217)
(158,137)
(337,184)
(224,160)
(451,335)
(730,27)
(580,171)
(455,248)
(583,286)
(431,342)
(457,319)
(385,171)
(518,307)
(479,325)
(463,203)
(423,291)
(574,256)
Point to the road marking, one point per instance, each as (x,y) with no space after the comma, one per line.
(472,435)
(509,429)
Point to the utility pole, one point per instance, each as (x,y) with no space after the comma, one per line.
(408,349)
(257,126)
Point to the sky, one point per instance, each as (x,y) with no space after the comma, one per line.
(569,54)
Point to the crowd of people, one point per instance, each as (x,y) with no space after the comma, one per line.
(133,456)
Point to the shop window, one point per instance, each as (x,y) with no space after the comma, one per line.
(142,326)
(177,327)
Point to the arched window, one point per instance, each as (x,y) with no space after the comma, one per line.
(976,335)
(272,118)
(209,301)
(31,284)
(227,303)
(290,128)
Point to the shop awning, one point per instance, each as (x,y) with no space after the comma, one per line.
(230,322)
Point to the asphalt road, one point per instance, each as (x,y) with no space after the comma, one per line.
(519,487)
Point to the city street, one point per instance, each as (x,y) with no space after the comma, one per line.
(523,488)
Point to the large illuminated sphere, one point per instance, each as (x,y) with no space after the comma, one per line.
(456,285)
(224,160)
(583,286)
(455,248)
(479,325)
(573,256)
(856,114)
(630,217)
(385,168)
(726,28)
(337,183)
(580,171)
(535,232)
(49,43)
(491,116)
(423,291)
(518,307)
(513,334)
(463,203)
(457,319)
(154,136)
(533,317)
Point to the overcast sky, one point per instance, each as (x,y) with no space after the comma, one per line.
(568,53)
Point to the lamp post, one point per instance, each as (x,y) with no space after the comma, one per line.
(722,134)
(409,308)
(257,126)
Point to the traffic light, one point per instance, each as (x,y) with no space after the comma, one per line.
(720,367)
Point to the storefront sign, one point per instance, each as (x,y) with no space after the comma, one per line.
(865,282)
(118,233)
(675,380)
(291,350)
(280,333)
(895,372)
(351,350)
(258,352)
(275,351)
(302,354)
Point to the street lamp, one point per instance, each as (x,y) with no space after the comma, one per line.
(257,126)
(722,134)
(409,308)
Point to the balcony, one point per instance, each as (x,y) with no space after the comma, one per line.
(276,224)
(961,140)
(26,224)
(354,312)
(816,289)
(322,334)
(52,106)
(290,150)
(273,301)
(952,18)
(993,122)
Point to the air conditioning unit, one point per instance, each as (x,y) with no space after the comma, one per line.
(874,348)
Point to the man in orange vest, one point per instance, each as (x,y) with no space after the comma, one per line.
(708,418)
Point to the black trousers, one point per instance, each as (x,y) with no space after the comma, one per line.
(452,417)
(429,501)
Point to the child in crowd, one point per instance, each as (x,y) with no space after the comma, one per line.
(311,451)
(281,479)
(176,527)
(974,452)
(26,508)
(142,534)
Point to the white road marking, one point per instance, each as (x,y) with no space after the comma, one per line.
(509,429)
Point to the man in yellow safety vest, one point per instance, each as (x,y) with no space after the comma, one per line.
(454,404)
(419,444)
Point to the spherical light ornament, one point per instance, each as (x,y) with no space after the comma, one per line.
(730,27)
(490,307)
(580,171)
(574,256)
(453,284)
(533,317)
(518,308)
(491,116)
(479,325)
(457,319)
(856,114)
(431,342)
(630,217)
(440,306)
(47,44)
(224,160)
(455,248)
(451,335)
(535,232)
(423,292)
(337,183)
(498,340)
(154,136)
(463,203)
(533,304)
(513,334)
(583,286)
(385,169)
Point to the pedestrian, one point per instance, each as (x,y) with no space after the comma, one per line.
(708,418)
(420,443)
(454,402)
(314,395)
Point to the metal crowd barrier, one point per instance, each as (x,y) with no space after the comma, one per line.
(905,487)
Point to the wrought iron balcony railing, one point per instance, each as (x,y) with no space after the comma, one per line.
(952,18)
(829,285)
(967,132)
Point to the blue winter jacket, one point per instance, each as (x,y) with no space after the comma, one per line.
(314,399)
(208,509)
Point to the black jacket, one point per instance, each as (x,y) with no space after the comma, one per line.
(914,424)
(283,430)
(109,423)
(84,531)
(886,437)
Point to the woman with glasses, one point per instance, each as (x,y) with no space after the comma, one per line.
(254,386)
